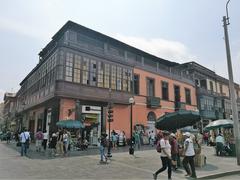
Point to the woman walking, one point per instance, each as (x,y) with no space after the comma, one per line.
(165,155)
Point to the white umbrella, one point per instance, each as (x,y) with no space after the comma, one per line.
(221,123)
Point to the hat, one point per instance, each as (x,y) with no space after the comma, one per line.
(173,135)
(165,133)
(54,135)
(187,134)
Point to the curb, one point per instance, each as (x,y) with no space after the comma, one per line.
(217,175)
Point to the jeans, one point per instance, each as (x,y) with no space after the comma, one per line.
(23,149)
(44,144)
(189,160)
(166,163)
(102,153)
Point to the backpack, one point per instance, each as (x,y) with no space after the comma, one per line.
(158,147)
(39,135)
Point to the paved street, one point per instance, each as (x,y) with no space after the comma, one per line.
(122,166)
(237,176)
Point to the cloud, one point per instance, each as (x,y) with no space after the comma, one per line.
(170,50)
(22,28)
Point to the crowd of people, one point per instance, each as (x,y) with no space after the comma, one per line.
(58,143)
(171,146)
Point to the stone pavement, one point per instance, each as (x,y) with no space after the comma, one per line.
(121,166)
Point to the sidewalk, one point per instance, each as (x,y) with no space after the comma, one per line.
(91,150)
(121,166)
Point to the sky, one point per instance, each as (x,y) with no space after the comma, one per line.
(177,30)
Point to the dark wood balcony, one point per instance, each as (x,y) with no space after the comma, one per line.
(153,102)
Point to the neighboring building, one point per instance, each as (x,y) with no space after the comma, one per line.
(1,117)
(9,111)
(74,75)
(212,92)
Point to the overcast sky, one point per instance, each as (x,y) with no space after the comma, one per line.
(178,30)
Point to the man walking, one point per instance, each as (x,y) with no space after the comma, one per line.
(25,140)
(189,154)
(165,156)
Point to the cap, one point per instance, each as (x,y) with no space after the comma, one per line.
(187,134)
(173,135)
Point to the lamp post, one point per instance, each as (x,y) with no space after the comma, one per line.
(231,87)
(131,149)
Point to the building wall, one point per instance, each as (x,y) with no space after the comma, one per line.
(158,89)
(65,105)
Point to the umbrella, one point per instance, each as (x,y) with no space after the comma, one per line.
(178,119)
(75,124)
(221,123)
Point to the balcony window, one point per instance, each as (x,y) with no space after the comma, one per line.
(150,87)
(165,90)
(113,77)
(188,96)
(69,67)
(136,84)
(106,75)
(85,72)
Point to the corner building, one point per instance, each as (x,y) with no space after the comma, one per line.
(74,75)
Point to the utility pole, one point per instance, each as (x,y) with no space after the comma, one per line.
(231,87)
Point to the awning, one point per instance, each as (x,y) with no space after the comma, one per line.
(221,123)
(75,124)
(177,120)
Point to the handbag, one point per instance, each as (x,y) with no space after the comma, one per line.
(19,144)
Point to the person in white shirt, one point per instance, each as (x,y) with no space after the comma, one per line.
(45,139)
(219,144)
(165,156)
(25,140)
(189,154)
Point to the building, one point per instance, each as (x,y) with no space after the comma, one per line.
(77,69)
(213,93)
(1,117)
(9,111)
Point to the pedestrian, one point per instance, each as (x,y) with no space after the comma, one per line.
(52,144)
(39,140)
(205,138)
(165,155)
(102,141)
(65,142)
(9,135)
(45,139)
(137,140)
(220,142)
(25,141)
(174,150)
(189,154)
(114,139)
(60,142)
(152,138)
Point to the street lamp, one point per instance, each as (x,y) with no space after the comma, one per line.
(231,87)
(131,149)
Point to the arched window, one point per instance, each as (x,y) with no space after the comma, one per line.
(151,116)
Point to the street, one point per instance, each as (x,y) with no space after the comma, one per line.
(121,166)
